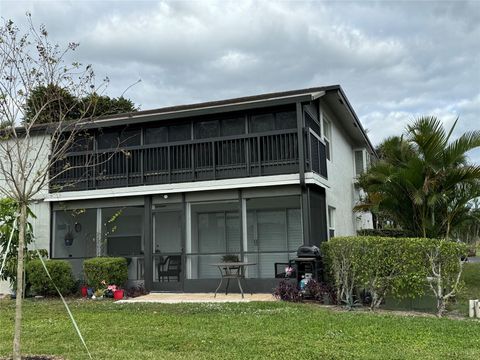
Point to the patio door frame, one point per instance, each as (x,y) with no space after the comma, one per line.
(150,283)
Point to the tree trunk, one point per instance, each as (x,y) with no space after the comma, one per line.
(441,306)
(19,294)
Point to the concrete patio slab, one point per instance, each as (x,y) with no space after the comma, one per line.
(177,298)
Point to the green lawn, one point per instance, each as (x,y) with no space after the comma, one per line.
(471,288)
(236,331)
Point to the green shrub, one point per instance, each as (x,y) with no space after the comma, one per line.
(396,233)
(444,270)
(111,270)
(401,267)
(40,284)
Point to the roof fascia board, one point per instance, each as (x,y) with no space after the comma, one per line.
(355,118)
(318,95)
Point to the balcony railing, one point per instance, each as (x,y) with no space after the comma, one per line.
(247,155)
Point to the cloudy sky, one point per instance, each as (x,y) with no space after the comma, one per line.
(395,60)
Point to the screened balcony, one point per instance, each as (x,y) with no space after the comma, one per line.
(231,147)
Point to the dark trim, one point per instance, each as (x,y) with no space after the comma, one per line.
(240,210)
(183,233)
(148,243)
(349,107)
(306,215)
(301,147)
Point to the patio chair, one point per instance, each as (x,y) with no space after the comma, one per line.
(170,267)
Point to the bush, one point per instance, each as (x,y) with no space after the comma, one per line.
(395,266)
(287,291)
(111,270)
(321,292)
(40,283)
(396,233)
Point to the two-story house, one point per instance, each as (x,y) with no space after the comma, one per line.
(255,177)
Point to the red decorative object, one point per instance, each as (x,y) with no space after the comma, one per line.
(118,294)
(84,291)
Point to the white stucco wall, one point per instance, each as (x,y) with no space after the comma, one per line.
(340,169)
(41,209)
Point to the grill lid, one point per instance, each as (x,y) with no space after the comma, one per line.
(308,251)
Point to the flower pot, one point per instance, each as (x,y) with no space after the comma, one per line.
(118,294)
(84,291)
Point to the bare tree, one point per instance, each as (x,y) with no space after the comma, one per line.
(29,150)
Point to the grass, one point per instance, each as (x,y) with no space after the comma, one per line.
(471,288)
(235,331)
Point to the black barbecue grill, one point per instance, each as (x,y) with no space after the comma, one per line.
(309,261)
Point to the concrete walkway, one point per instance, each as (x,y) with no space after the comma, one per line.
(176,298)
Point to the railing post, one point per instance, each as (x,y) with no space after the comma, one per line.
(192,149)
(247,155)
(169,165)
(214,165)
(127,172)
(259,156)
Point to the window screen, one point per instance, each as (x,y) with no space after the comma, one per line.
(207,129)
(234,126)
(156,135)
(179,132)
(286,120)
(262,122)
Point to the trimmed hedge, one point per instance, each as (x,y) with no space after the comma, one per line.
(396,233)
(40,283)
(111,270)
(401,267)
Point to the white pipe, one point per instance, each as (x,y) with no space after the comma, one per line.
(471,308)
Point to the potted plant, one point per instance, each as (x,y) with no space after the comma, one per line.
(118,294)
(84,290)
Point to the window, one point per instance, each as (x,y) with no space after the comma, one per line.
(327,136)
(331,222)
(359,163)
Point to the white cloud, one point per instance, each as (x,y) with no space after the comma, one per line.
(395,60)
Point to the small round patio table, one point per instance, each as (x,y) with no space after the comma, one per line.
(232,270)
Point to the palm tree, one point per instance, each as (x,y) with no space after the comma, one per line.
(423,180)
